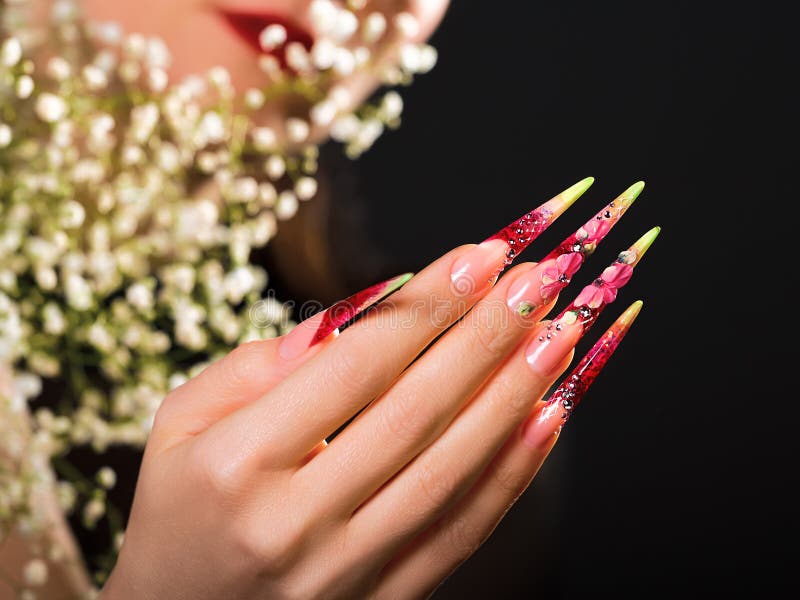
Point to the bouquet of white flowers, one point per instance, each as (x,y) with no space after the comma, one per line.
(128,211)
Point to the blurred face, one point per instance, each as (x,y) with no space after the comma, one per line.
(205,33)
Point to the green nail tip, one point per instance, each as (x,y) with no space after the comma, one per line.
(398,282)
(632,193)
(571,194)
(627,318)
(646,241)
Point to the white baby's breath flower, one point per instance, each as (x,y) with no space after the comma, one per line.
(275,167)
(346,25)
(24,87)
(305,188)
(95,77)
(106,477)
(254,98)
(297,130)
(287,205)
(93,512)
(140,297)
(374,27)
(323,16)
(272,36)
(35,573)
(407,24)
(264,139)
(5,135)
(50,108)
(10,52)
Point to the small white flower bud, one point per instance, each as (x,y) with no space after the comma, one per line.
(264,139)
(11,52)
(58,68)
(254,98)
(374,28)
(275,167)
(24,87)
(95,77)
(346,26)
(324,113)
(305,188)
(35,573)
(5,135)
(323,16)
(107,478)
(407,24)
(297,130)
(287,205)
(323,54)
(272,36)
(50,108)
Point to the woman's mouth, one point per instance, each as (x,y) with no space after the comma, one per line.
(250,25)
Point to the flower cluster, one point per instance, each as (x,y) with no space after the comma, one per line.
(129,207)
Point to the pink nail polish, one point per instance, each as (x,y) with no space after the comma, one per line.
(522,232)
(524,296)
(315,329)
(478,268)
(569,256)
(546,423)
(547,350)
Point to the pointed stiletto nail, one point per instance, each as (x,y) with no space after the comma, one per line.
(519,234)
(588,305)
(549,419)
(315,329)
(556,270)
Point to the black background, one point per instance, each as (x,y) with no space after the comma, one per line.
(674,476)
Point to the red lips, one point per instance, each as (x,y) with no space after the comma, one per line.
(250,25)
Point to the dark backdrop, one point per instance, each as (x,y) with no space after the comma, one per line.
(675,474)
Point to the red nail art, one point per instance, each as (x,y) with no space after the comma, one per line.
(317,328)
(603,291)
(568,257)
(521,233)
(572,390)
(345,310)
(543,428)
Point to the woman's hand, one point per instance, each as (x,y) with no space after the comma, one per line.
(239,497)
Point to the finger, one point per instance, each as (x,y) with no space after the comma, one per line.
(418,407)
(252,369)
(462,452)
(326,391)
(430,558)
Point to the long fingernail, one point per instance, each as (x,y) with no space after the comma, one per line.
(550,347)
(315,329)
(551,416)
(524,230)
(556,270)
(478,269)
(588,305)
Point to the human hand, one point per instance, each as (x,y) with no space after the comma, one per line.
(240,497)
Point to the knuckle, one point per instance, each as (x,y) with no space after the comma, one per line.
(510,480)
(274,549)
(403,417)
(463,538)
(214,471)
(506,396)
(346,374)
(489,331)
(244,364)
(437,486)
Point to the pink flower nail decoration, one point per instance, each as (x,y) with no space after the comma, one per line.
(594,231)
(604,289)
(556,276)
